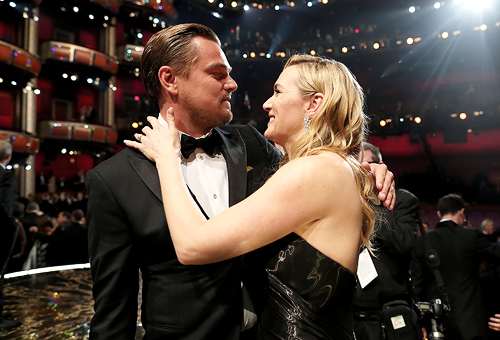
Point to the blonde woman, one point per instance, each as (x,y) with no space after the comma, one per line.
(312,216)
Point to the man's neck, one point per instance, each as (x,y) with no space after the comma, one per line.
(163,121)
(449,217)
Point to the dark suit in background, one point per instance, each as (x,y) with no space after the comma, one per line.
(8,225)
(460,251)
(393,246)
(128,231)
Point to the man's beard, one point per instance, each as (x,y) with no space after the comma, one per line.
(205,118)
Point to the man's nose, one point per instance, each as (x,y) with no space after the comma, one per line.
(230,85)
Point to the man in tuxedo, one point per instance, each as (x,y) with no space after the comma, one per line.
(460,251)
(390,265)
(183,67)
(9,227)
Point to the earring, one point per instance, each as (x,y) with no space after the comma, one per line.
(307,122)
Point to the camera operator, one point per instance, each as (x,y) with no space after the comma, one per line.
(384,279)
(460,251)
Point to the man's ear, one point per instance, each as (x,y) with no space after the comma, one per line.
(315,103)
(439,215)
(168,79)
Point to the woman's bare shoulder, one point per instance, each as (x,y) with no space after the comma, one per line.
(319,167)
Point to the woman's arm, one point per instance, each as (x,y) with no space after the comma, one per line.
(299,193)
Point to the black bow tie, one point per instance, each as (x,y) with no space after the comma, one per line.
(189,144)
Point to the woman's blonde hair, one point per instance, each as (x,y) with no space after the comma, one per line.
(338,126)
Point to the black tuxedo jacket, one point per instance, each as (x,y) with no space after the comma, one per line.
(393,246)
(8,224)
(460,251)
(128,231)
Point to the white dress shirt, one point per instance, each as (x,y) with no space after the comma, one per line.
(207,178)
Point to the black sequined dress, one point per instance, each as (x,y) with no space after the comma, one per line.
(309,295)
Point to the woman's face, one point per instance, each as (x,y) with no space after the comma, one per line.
(488,228)
(286,109)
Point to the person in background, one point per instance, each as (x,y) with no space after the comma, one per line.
(384,276)
(460,252)
(8,225)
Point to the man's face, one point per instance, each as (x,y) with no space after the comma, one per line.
(368,156)
(61,218)
(205,92)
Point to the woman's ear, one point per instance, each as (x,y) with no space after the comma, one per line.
(315,103)
(168,79)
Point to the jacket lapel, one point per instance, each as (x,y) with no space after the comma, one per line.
(147,172)
(234,153)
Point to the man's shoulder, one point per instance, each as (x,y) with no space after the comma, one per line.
(116,161)
(246,131)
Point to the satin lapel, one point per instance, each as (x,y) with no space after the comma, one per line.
(234,152)
(146,170)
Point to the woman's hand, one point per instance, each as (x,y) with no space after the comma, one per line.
(158,143)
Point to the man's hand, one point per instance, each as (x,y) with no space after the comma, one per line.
(494,323)
(384,181)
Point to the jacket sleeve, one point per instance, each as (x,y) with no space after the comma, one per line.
(114,263)
(486,249)
(417,270)
(400,232)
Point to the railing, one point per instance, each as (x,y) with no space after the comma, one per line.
(53,129)
(19,58)
(23,143)
(53,50)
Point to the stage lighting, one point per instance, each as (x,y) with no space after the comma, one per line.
(412,9)
(276,8)
(483,27)
(444,35)
(246,8)
(409,41)
(437,5)
(309,4)
(376,46)
(463,116)
(234,4)
(292,4)
(313,52)
(344,49)
(418,120)
(383,123)
(221,5)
